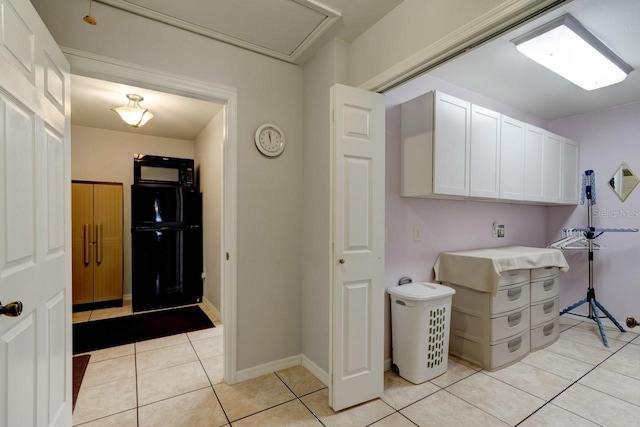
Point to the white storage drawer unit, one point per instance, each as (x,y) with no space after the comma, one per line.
(506,302)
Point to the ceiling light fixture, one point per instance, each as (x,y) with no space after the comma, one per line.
(567,48)
(134,115)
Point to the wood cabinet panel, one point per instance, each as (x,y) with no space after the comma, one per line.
(96,242)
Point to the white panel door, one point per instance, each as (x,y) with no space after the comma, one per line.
(35,347)
(357,365)
(552,168)
(533,163)
(451,149)
(484,169)
(511,159)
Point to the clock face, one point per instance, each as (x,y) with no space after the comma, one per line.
(270,140)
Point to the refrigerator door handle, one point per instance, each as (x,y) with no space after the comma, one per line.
(99,243)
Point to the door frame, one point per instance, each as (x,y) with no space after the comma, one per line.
(104,68)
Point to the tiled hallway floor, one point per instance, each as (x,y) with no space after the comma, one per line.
(177,381)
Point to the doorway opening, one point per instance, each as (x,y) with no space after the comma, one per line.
(215,156)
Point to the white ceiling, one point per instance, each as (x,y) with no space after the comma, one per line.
(497,70)
(289,30)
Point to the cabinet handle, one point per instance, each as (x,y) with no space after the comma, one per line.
(99,243)
(548,307)
(547,330)
(514,318)
(548,284)
(514,293)
(514,345)
(87,239)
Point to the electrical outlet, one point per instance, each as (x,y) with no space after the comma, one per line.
(417,233)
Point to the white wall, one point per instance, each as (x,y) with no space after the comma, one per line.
(607,138)
(321,72)
(269,201)
(412,26)
(107,156)
(209,146)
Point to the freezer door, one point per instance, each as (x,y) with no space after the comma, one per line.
(167,268)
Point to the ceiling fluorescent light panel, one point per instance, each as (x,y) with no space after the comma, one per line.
(565,47)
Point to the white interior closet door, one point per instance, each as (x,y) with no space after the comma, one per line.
(357,365)
(35,184)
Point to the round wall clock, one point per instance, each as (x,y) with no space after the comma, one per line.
(270,140)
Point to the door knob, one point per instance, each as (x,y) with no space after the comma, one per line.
(341,261)
(13,309)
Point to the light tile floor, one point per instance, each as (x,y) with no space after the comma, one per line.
(174,381)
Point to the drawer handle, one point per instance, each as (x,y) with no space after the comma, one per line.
(548,284)
(548,307)
(547,330)
(401,302)
(514,319)
(513,272)
(514,293)
(514,345)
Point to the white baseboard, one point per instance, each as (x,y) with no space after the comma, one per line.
(212,308)
(387,364)
(605,321)
(316,370)
(268,368)
(126,297)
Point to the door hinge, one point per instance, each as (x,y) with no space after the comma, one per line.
(227,256)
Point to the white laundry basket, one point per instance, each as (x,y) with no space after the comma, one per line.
(420,323)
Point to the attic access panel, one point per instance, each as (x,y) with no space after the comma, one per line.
(282,29)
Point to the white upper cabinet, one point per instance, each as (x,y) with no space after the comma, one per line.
(453,149)
(484,170)
(552,168)
(533,163)
(570,173)
(435,135)
(511,159)
(451,146)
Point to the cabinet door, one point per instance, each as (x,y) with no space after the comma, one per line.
(533,163)
(107,219)
(484,169)
(451,146)
(81,238)
(552,168)
(570,172)
(511,159)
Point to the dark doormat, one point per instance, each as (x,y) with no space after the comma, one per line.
(79,367)
(99,334)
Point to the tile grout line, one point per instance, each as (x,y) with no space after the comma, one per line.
(209,379)
(576,382)
(299,397)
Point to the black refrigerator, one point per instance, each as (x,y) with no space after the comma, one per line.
(166,240)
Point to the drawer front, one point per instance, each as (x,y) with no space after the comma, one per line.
(512,277)
(510,324)
(511,298)
(545,289)
(544,312)
(510,350)
(539,273)
(545,334)
(491,356)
